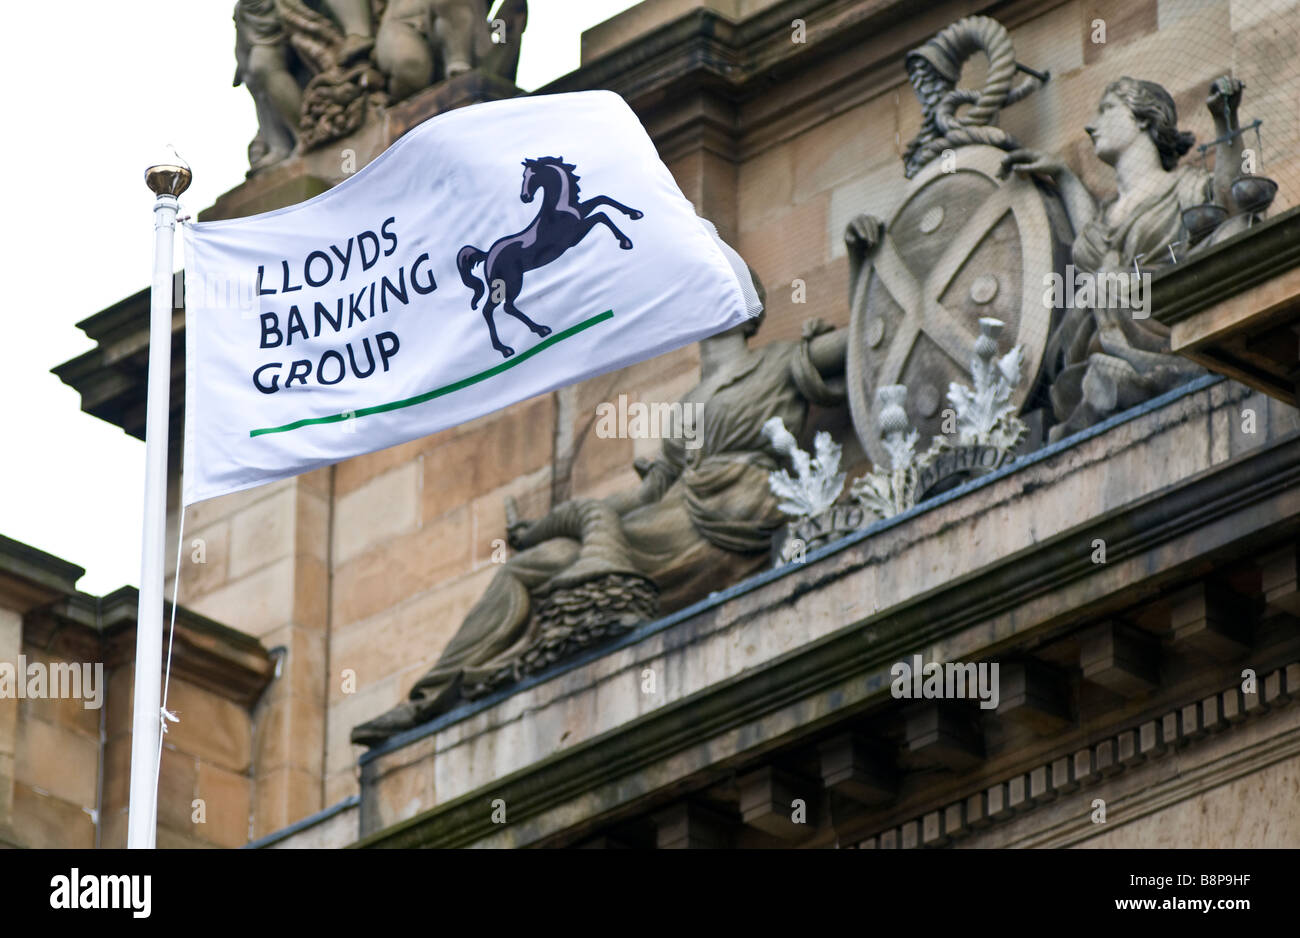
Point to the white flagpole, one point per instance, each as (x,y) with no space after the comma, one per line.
(167,182)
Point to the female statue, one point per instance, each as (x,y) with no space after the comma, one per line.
(1103,359)
(701,518)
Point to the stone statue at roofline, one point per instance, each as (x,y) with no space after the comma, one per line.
(701,518)
(315,67)
(423,41)
(263,66)
(1101,358)
(1086,359)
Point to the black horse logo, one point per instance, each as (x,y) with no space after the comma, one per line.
(561,223)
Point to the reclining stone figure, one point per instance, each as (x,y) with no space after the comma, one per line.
(702,517)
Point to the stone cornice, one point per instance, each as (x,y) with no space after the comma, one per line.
(767,88)
(867,647)
(213,656)
(1245,260)
(802,585)
(204,652)
(1234,309)
(111,377)
(37,572)
(1183,725)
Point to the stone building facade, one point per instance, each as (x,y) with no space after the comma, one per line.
(65,754)
(782,120)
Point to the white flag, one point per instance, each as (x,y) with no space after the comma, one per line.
(493,253)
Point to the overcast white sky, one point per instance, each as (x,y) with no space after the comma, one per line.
(104,88)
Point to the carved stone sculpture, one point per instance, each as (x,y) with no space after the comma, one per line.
(934,70)
(262,64)
(984,413)
(423,41)
(809,497)
(315,68)
(337,52)
(1104,357)
(984,423)
(817,480)
(890,488)
(701,518)
(963,245)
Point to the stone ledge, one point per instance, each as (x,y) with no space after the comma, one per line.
(31,577)
(323,829)
(1247,259)
(213,656)
(715,600)
(1233,309)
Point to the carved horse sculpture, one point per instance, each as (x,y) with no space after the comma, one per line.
(560,223)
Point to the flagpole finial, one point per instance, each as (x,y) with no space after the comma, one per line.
(168,179)
(171,177)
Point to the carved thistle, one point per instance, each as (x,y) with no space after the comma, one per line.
(985,414)
(890,488)
(987,431)
(983,433)
(817,481)
(809,495)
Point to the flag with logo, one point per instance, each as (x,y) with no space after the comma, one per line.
(491,254)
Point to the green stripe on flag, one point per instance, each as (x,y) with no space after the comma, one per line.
(446,388)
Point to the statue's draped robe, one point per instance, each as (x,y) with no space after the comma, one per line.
(1103,360)
(706,520)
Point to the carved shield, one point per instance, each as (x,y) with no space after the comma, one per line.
(962,245)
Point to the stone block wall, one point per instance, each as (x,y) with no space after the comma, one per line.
(65,760)
(414,533)
(55,764)
(205,785)
(258,561)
